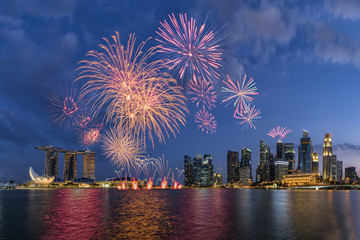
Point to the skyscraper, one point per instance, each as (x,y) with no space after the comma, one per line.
(197,170)
(264,169)
(339,170)
(245,166)
(70,166)
(245,157)
(232,167)
(351,175)
(281,169)
(189,168)
(207,171)
(89,165)
(280,150)
(327,155)
(305,153)
(52,163)
(315,163)
(290,156)
(333,168)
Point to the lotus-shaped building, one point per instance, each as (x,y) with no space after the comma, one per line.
(44,180)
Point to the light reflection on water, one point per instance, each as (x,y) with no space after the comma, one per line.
(181,214)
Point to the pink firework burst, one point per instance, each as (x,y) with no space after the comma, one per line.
(206,121)
(90,136)
(240,93)
(279,131)
(248,116)
(66,107)
(202,92)
(190,47)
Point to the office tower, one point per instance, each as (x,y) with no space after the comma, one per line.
(232,167)
(197,170)
(333,169)
(327,155)
(315,163)
(280,150)
(339,170)
(245,157)
(189,170)
(208,171)
(70,166)
(218,179)
(258,173)
(290,156)
(264,170)
(305,153)
(89,165)
(281,169)
(351,175)
(52,163)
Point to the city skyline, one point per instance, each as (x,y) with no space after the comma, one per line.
(297,62)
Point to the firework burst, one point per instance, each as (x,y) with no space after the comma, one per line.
(162,168)
(249,116)
(202,92)
(121,147)
(206,121)
(189,47)
(240,93)
(66,107)
(90,137)
(279,131)
(136,94)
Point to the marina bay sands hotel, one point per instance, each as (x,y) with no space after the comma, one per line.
(70,165)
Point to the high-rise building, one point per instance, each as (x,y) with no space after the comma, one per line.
(315,163)
(232,167)
(208,171)
(290,156)
(52,163)
(264,170)
(339,170)
(89,165)
(245,157)
(351,175)
(189,169)
(327,155)
(197,170)
(280,154)
(245,175)
(70,166)
(218,179)
(333,168)
(305,153)
(281,169)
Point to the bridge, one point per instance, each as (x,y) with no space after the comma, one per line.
(334,187)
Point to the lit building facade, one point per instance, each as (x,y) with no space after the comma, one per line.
(70,166)
(333,168)
(232,167)
(265,164)
(245,175)
(218,179)
(305,153)
(189,171)
(290,156)
(281,169)
(327,156)
(280,154)
(197,170)
(315,163)
(52,163)
(351,175)
(89,165)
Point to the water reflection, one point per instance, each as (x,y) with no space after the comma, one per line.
(74,214)
(179,214)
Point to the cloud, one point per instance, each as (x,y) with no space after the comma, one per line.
(349,9)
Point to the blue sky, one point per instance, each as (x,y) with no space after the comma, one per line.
(303,55)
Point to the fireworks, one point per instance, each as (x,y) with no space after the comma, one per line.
(121,147)
(249,116)
(90,137)
(240,93)
(65,108)
(189,47)
(162,168)
(202,91)
(279,131)
(136,94)
(206,121)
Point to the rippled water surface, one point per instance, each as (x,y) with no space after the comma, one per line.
(179,214)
